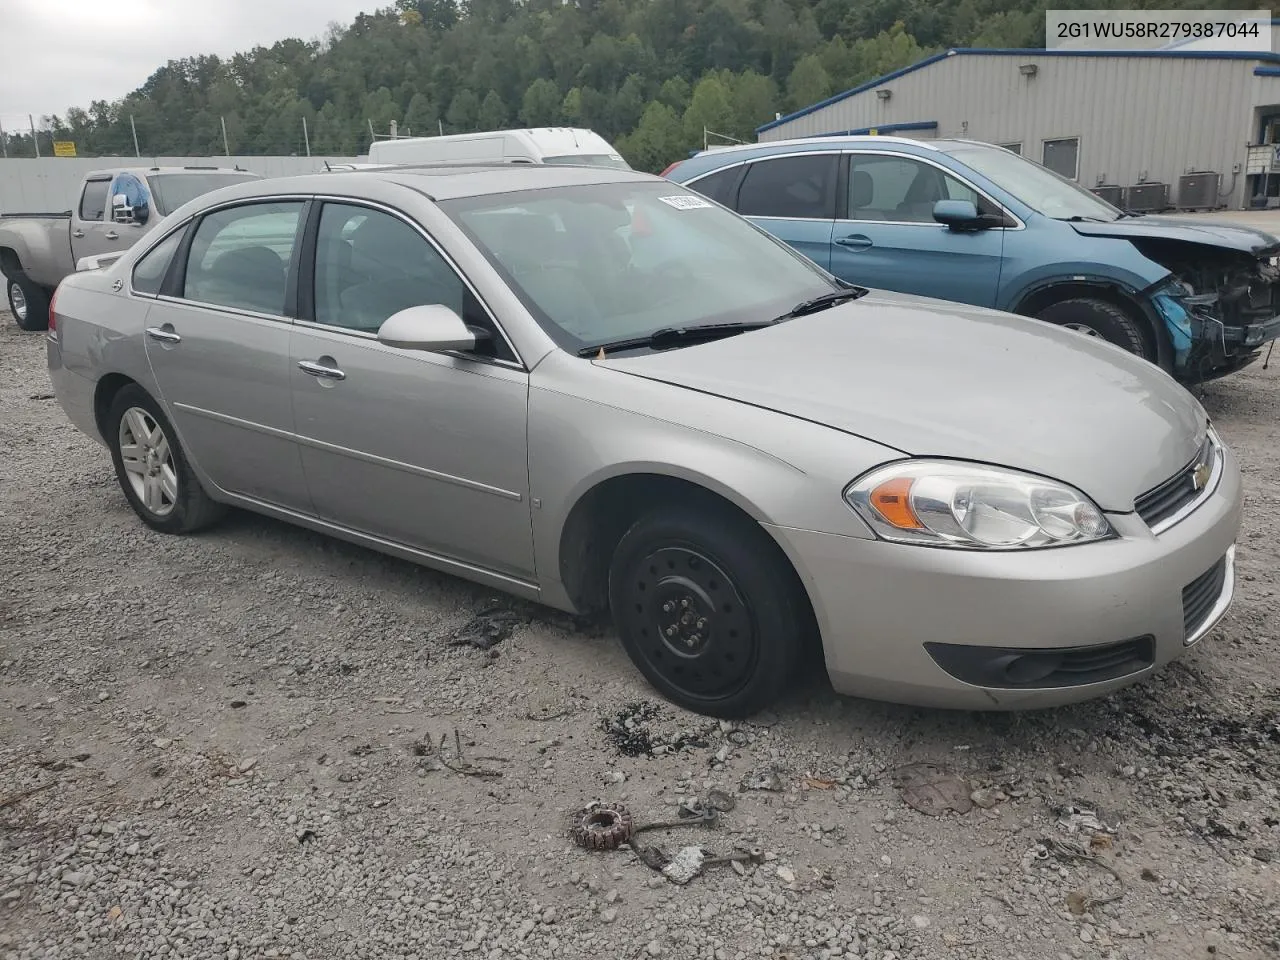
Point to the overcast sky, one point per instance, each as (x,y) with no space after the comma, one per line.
(57,54)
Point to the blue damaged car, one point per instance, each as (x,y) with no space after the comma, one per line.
(975,223)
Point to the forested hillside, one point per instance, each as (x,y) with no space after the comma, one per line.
(649,75)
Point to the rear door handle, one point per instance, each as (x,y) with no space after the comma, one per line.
(77,234)
(164,334)
(112,235)
(320,370)
(855,240)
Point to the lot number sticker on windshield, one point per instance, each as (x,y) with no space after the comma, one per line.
(685,203)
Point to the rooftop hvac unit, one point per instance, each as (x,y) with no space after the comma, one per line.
(1113,193)
(1147,197)
(1199,191)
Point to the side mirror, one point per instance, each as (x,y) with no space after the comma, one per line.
(958,214)
(141,214)
(432,327)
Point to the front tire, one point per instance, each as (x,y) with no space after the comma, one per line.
(152,469)
(1099,318)
(28,302)
(708,609)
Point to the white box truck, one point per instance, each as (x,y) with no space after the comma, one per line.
(569,145)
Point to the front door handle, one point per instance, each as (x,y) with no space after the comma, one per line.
(164,334)
(77,233)
(111,235)
(320,370)
(854,240)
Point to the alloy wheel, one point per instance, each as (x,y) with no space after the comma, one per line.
(17,300)
(148,461)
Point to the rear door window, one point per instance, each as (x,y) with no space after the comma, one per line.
(240,257)
(150,270)
(801,187)
(719,186)
(93,202)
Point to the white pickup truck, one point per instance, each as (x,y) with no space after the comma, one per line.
(116,209)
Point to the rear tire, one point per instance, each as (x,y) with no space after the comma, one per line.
(1099,318)
(28,302)
(152,469)
(708,609)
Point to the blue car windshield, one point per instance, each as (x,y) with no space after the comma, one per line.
(1037,186)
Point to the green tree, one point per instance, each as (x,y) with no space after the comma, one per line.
(493,112)
(808,83)
(540,106)
(464,112)
(657,141)
(709,109)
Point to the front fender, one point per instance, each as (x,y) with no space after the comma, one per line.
(589,425)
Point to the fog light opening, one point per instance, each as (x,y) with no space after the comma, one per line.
(1027,668)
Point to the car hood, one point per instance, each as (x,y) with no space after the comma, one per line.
(931,378)
(1211,233)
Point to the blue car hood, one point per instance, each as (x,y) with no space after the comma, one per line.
(1210,233)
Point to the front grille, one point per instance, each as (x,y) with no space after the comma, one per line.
(1199,596)
(1162,502)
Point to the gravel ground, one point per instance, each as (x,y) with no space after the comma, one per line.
(235,742)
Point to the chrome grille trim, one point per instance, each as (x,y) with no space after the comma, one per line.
(1175,499)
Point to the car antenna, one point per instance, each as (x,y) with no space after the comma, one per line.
(1267,361)
(327,168)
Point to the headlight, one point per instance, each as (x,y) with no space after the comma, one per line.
(969,506)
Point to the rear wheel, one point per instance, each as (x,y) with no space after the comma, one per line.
(152,469)
(28,302)
(1099,318)
(708,609)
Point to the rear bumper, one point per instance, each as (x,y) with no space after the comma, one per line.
(73,392)
(891,615)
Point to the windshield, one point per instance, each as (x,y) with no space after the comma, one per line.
(607,262)
(1037,186)
(611,160)
(172,190)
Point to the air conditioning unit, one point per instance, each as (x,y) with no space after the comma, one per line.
(1147,197)
(1199,190)
(1113,193)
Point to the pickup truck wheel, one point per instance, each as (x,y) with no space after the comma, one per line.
(152,469)
(1098,318)
(28,303)
(708,609)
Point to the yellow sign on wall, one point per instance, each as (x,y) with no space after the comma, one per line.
(64,148)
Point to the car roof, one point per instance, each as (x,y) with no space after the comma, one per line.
(444,181)
(708,161)
(163,171)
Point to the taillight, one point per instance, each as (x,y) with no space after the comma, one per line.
(53,318)
(669,169)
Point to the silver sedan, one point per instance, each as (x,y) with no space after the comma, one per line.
(598,390)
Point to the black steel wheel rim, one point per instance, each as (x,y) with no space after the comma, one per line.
(690,623)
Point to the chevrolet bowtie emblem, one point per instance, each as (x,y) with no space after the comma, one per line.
(1200,477)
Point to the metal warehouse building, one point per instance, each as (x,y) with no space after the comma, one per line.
(1149,130)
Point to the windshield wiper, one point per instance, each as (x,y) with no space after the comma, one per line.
(805,307)
(676,337)
(1076,218)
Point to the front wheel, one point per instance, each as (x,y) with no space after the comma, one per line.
(708,609)
(152,469)
(28,302)
(1099,318)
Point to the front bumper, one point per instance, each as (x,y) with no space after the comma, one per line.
(1252,336)
(880,606)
